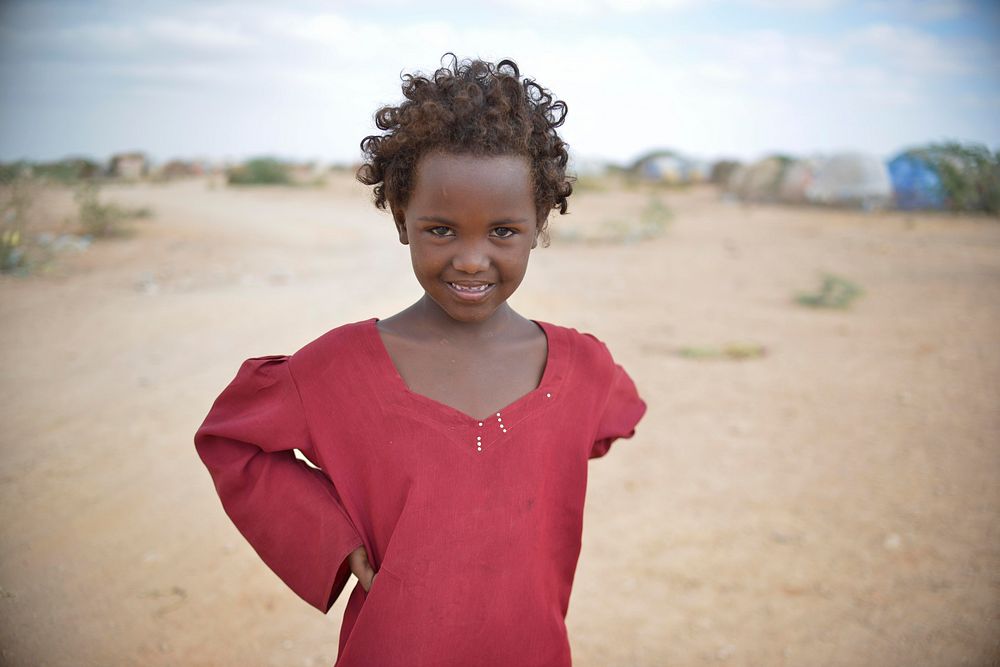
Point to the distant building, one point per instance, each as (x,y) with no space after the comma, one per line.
(761,181)
(128,166)
(667,166)
(181,169)
(852,179)
(916,181)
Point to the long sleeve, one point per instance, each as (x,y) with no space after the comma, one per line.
(288,511)
(621,413)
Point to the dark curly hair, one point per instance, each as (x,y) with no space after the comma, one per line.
(469,106)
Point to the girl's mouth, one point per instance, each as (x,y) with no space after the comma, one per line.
(471,292)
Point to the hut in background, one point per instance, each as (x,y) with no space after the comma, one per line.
(852,179)
(128,166)
(916,182)
(722,171)
(796,180)
(666,166)
(762,180)
(175,169)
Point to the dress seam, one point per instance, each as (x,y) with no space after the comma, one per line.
(302,409)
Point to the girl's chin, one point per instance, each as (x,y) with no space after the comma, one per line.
(463,311)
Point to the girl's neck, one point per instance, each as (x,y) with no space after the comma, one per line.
(425,318)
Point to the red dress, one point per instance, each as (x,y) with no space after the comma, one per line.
(473,526)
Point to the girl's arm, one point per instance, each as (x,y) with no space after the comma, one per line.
(362,568)
(622,410)
(289,511)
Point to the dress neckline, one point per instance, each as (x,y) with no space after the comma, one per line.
(554,358)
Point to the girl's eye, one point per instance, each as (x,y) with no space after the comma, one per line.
(440,230)
(504,232)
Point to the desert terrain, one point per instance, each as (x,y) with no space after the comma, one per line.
(830,498)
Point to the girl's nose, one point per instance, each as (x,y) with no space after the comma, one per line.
(471,258)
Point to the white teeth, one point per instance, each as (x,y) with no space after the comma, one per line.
(478,288)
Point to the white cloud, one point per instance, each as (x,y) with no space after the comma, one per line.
(923,10)
(807,5)
(238,79)
(910,50)
(174,33)
(594,8)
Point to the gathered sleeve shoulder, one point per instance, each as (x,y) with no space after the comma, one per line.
(288,511)
(622,407)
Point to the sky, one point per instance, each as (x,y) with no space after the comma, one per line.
(301,80)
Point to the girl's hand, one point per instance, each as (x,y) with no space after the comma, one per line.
(362,569)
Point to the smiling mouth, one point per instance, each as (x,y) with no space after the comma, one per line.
(471,292)
(471,289)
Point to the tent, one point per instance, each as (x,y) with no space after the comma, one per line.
(670,167)
(795,181)
(734,181)
(852,179)
(916,182)
(762,179)
(721,172)
(698,171)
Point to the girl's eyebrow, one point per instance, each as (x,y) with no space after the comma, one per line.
(496,223)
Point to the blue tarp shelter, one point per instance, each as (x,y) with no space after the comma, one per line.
(916,183)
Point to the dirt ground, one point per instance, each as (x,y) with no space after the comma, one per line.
(833,502)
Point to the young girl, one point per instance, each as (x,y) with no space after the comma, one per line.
(452,438)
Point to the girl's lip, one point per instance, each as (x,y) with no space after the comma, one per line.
(471,296)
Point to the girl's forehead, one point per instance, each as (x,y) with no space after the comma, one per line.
(441,177)
(441,164)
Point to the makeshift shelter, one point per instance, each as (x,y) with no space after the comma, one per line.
(128,166)
(698,171)
(852,179)
(916,182)
(795,181)
(721,172)
(762,179)
(180,169)
(734,182)
(669,167)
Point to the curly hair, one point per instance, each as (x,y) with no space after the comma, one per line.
(469,106)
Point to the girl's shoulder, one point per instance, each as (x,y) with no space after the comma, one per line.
(352,333)
(335,348)
(585,348)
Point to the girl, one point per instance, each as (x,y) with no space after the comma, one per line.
(452,438)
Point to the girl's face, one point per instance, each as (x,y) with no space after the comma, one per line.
(470,224)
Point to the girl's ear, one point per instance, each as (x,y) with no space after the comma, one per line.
(399,218)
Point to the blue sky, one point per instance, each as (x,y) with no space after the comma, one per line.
(302,79)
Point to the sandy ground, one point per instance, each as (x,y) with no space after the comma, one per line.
(832,503)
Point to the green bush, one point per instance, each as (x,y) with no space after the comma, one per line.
(970,175)
(18,194)
(68,171)
(11,171)
(259,171)
(734,351)
(834,292)
(104,220)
